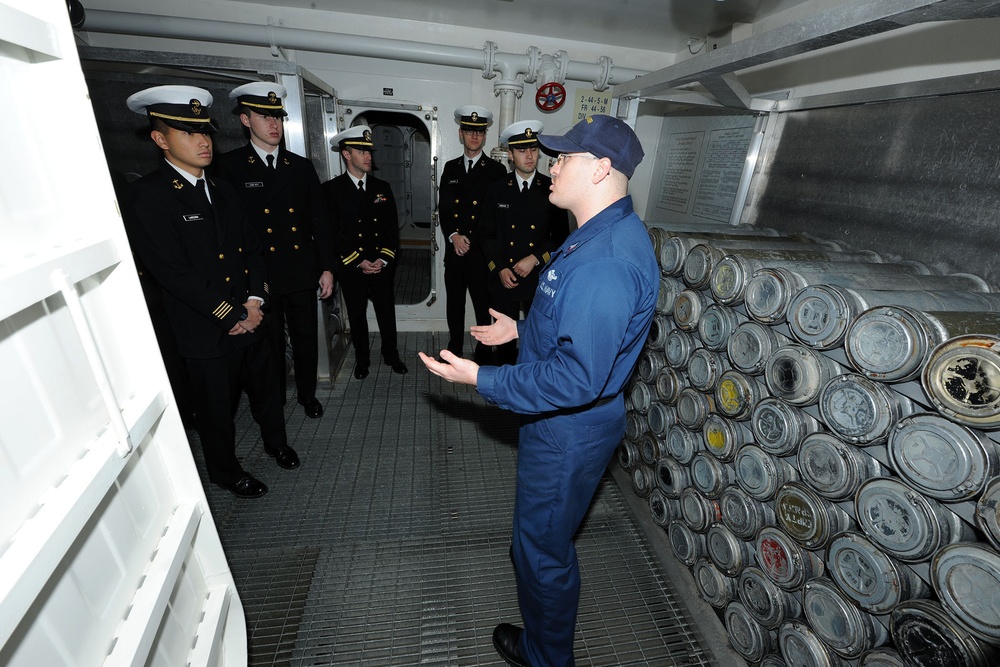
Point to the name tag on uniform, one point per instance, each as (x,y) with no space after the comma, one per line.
(254,184)
(453,181)
(502,205)
(193,217)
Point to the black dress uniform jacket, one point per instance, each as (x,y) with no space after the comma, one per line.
(288,212)
(516,224)
(205,256)
(365,224)
(460,203)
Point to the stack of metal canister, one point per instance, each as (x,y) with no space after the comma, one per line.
(816,430)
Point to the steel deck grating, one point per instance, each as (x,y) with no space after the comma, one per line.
(389,546)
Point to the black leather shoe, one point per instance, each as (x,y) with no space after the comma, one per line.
(360,371)
(398,366)
(313,408)
(246,487)
(285,457)
(505,640)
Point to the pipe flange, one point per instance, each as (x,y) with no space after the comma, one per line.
(601,83)
(515,87)
(561,59)
(489,59)
(534,64)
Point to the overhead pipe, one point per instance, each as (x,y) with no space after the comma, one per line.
(509,66)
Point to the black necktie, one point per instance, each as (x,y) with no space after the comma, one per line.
(361,186)
(270,161)
(203,187)
(524,187)
(470,167)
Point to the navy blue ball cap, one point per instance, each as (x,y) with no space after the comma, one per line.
(181,107)
(601,136)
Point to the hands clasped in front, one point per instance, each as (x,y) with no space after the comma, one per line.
(464,371)
(254,317)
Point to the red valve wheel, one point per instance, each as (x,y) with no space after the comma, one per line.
(550,97)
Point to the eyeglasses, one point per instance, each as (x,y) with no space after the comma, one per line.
(558,160)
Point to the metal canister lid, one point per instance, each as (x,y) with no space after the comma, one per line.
(780,427)
(942,459)
(769,292)
(661,325)
(736,394)
(760,474)
(724,437)
(773,660)
(671,477)
(859,410)
(769,605)
(808,518)
(988,512)
(682,443)
(819,315)
(838,622)
(640,396)
(744,515)
(800,646)
(650,448)
(669,289)
(890,343)
(903,521)
(882,657)
(710,475)
(687,545)
(783,560)
(869,576)
(669,383)
(678,348)
(693,407)
(699,263)
(660,417)
(715,588)
(705,367)
(663,509)
(697,511)
(673,251)
(729,553)
(689,306)
(966,578)
(834,468)
(628,455)
(729,279)
(750,639)
(797,374)
(642,480)
(962,380)
(649,364)
(749,346)
(926,636)
(717,324)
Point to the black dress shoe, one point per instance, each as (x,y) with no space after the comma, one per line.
(285,457)
(360,371)
(398,366)
(313,408)
(246,487)
(505,640)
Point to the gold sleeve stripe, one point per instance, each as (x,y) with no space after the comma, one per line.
(222,310)
(350,258)
(390,253)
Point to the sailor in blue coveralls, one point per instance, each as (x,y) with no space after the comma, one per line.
(578,347)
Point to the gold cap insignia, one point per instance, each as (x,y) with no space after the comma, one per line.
(271,97)
(475,116)
(528,133)
(196,107)
(368,136)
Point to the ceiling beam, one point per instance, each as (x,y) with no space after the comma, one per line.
(848,22)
